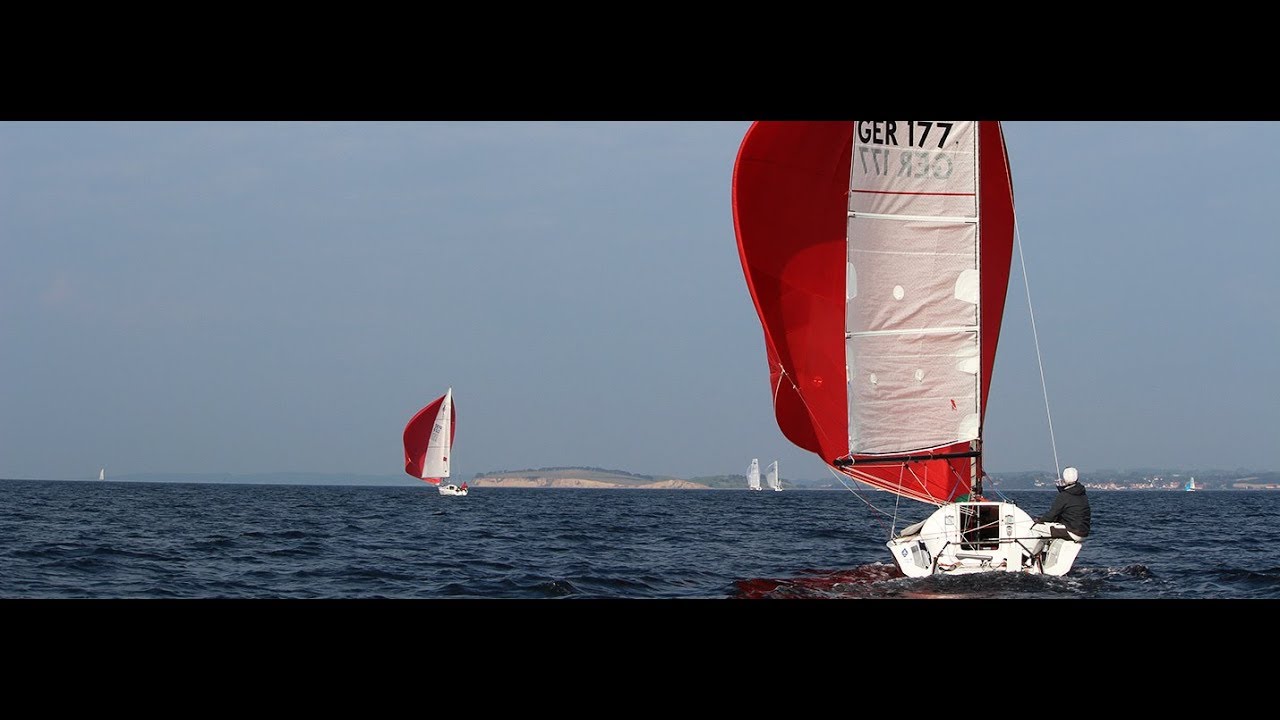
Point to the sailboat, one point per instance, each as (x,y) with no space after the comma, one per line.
(1191,485)
(878,255)
(102,474)
(753,474)
(772,476)
(428,443)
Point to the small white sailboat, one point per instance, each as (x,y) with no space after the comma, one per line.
(102,474)
(772,476)
(753,475)
(1191,485)
(428,443)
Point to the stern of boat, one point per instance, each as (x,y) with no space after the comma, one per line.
(1058,556)
(971,537)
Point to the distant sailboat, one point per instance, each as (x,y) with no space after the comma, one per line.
(428,443)
(753,475)
(772,475)
(102,474)
(1191,485)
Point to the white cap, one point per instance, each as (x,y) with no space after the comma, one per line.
(1070,475)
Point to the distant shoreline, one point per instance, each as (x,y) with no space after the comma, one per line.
(604,479)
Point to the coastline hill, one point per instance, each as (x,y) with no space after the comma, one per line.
(579,477)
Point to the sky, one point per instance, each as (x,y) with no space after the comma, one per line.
(282,296)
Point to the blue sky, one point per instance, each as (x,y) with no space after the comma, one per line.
(251,297)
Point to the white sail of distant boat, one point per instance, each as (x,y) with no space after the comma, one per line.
(102,474)
(753,475)
(772,475)
(1191,485)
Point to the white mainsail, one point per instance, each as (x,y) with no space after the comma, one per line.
(772,476)
(436,462)
(912,290)
(753,474)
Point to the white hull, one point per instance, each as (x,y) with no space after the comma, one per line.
(973,537)
(452,490)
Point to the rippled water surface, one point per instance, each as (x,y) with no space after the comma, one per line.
(160,540)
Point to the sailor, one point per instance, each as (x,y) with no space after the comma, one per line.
(1069,513)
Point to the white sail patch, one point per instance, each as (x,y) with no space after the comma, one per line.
(436,462)
(967,360)
(968,427)
(908,395)
(967,286)
(850,281)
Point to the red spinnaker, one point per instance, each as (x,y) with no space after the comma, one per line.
(417,435)
(790,198)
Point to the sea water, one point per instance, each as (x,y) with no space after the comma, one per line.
(126,540)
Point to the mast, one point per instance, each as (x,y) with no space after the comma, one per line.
(975,470)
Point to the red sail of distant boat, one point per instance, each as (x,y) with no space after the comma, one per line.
(877,255)
(428,439)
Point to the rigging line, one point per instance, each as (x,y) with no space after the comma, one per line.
(923,487)
(782,373)
(925,496)
(1000,495)
(906,466)
(963,481)
(897,503)
(1017,234)
(841,478)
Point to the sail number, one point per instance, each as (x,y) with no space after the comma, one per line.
(885,132)
(910,162)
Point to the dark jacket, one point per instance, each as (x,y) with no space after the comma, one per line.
(1071,508)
